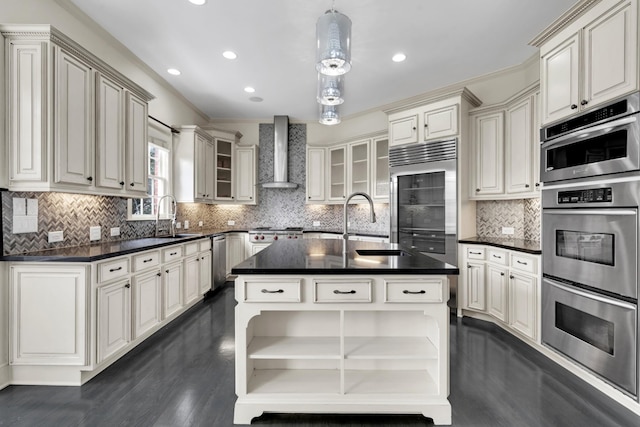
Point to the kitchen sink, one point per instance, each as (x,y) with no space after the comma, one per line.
(382,252)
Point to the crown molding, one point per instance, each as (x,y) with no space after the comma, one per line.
(529,90)
(565,19)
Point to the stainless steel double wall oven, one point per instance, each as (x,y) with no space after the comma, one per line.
(590,239)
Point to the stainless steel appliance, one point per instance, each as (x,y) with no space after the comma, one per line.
(270,234)
(590,276)
(423,198)
(602,141)
(219,261)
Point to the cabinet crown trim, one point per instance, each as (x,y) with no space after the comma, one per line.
(50,33)
(519,96)
(565,19)
(435,96)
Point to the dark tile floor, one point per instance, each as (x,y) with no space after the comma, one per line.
(184,376)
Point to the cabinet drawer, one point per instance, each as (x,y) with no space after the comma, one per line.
(272,290)
(497,256)
(172,253)
(145,260)
(475,253)
(414,291)
(191,248)
(524,263)
(113,269)
(205,245)
(341,291)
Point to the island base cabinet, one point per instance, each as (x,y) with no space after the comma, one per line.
(315,356)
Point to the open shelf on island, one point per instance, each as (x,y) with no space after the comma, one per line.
(295,381)
(294,348)
(389,348)
(372,382)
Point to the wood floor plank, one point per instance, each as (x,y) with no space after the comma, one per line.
(184,376)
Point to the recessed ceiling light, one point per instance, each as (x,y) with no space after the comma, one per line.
(173,71)
(256,99)
(198,2)
(249,89)
(229,54)
(399,57)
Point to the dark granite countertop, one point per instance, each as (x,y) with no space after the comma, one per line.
(325,256)
(354,232)
(521,245)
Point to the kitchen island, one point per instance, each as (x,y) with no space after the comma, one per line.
(327,326)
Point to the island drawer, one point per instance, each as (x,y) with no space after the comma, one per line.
(418,290)
(172,253)
(475,253)
(113,269)
(145,260)
(497,256)
(524,263)
(335,290)
(277,290)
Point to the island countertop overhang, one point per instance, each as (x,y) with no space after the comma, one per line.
(320,256)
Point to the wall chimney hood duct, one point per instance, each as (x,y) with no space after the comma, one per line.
(280,154)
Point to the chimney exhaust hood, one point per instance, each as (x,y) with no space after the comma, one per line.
(280,154)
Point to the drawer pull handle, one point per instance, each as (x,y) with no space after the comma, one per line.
(496,256)
(266,291)
(475,253)
(111,270)
(520,262)
(173,253)
(406,291)
(336,291)
(147,260)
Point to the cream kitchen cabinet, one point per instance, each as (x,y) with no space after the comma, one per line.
(437,120)
(359,170)
(503,284)
(193,170)
(380,168)
(172,289)
(236,249)
(78,127)
(246,172)
(589,59)
(337,173)
(224,170)
(205,278)
(505,149)
(197,269)
(191,278)
(146,301)
(113,318)
(316,174)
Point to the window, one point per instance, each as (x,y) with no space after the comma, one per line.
(159,176)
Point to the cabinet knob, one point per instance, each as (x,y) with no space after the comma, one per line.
(426,125)
(198,259)
(250,197)
(526,186)
(159,274)
(537,184)
(574,106)
(468,265)
(166,271)
(502,274)
(584,102)
(511,276)
(127,285)
(477,190)
(132,184)
(89,178)
(121,183)
(414,128)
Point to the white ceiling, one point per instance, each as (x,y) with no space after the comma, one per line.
(446,41)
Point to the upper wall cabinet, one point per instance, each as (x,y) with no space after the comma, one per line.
(505,149)
(357,166)
(426,123)
(212,169)
(589,59)
(74,124)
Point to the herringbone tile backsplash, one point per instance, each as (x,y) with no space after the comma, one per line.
(522,214)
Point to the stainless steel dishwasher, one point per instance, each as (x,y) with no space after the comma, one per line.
(219,264)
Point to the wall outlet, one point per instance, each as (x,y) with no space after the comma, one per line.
(95,233)
(200,223)
(186,224)
(507,230)
(56,236)
(316,223)
(115,231)
(231,222)
(178,225)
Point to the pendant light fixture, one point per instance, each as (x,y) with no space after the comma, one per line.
(329,114)
(333,36)
(330,89)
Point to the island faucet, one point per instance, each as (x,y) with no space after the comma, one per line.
(172,214)
(345,231)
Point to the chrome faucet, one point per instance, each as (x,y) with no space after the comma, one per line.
(345,232)
(172,214)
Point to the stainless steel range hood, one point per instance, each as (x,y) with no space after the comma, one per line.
(280,154)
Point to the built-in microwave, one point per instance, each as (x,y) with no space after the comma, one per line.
(600,142)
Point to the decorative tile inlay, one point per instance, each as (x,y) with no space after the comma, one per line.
(522,214)
(74,214)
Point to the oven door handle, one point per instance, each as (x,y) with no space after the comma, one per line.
(590,295)
(607,212)
(590,131)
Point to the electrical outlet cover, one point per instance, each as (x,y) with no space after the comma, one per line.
(200,223)
(316,223)
(231,222)
(186,224)
(508,230)
(115,231)
(56,236)
(95,233)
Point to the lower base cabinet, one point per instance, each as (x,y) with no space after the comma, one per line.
(68,321)
(503,284)
(305,348)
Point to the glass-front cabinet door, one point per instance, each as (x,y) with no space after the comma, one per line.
(380,165)
(224,172)
(338,172)
(421,212)
(359,173)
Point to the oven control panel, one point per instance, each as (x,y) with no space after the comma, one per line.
(590,195)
